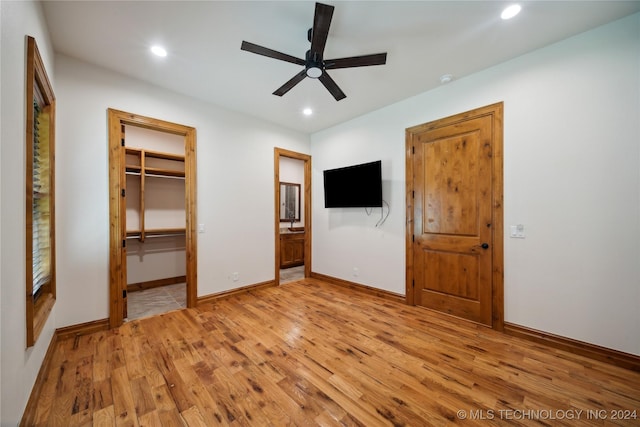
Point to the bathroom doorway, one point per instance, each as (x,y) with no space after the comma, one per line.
(292,183)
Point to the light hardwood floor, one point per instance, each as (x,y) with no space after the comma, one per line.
(308,353)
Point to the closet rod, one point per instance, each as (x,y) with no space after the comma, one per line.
(154,175)
(147,236)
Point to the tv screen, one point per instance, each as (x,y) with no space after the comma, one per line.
(358,186)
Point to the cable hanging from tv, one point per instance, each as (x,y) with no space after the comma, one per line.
(383,217)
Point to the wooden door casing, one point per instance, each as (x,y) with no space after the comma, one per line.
(278,153)
(454,216)
(117,208)
(123,218)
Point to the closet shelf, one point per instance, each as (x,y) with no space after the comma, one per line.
(153,163)
(160,155)
(147,166)
(156,232)
(159,231)
(164,172)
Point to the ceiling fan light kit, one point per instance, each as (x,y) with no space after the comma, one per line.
(314,72)
(315,66)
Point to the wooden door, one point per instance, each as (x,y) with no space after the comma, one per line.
(455,168)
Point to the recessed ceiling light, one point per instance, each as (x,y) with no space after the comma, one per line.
(307,111)
(159,51)
(446,78)
(510,11)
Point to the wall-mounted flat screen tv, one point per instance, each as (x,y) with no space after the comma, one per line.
(358,186)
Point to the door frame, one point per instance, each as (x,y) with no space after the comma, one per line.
(306,158)
(117,206)
(497,187)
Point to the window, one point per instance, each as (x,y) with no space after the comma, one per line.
(40,212)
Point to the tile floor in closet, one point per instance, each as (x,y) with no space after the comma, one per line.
(156,301)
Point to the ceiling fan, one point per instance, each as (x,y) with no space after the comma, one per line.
(315,65)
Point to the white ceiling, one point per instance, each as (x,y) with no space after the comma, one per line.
(423,39)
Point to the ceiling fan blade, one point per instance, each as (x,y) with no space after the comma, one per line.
(331,86)
(321,23)
(291,83)
(356,61)
(264,51)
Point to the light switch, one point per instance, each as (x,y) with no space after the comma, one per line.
(200,228)
(517,231)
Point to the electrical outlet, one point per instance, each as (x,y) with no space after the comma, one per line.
(356,271)
(235,276)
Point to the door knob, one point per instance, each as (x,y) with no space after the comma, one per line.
(484,246)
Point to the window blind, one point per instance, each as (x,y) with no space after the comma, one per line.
(41,200)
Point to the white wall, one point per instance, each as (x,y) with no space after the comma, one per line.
(0,210)
(349,244)
(19,367)
(571,169)
(234,185)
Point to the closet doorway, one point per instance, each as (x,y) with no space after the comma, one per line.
(152,216)
(292,183)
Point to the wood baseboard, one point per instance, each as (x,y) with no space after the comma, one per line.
(596,352)
(358,287)
(226,294)
(82,329)
(141,286)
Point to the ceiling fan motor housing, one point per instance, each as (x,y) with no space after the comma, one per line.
(314,65)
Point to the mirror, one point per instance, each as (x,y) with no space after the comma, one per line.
(289,202)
